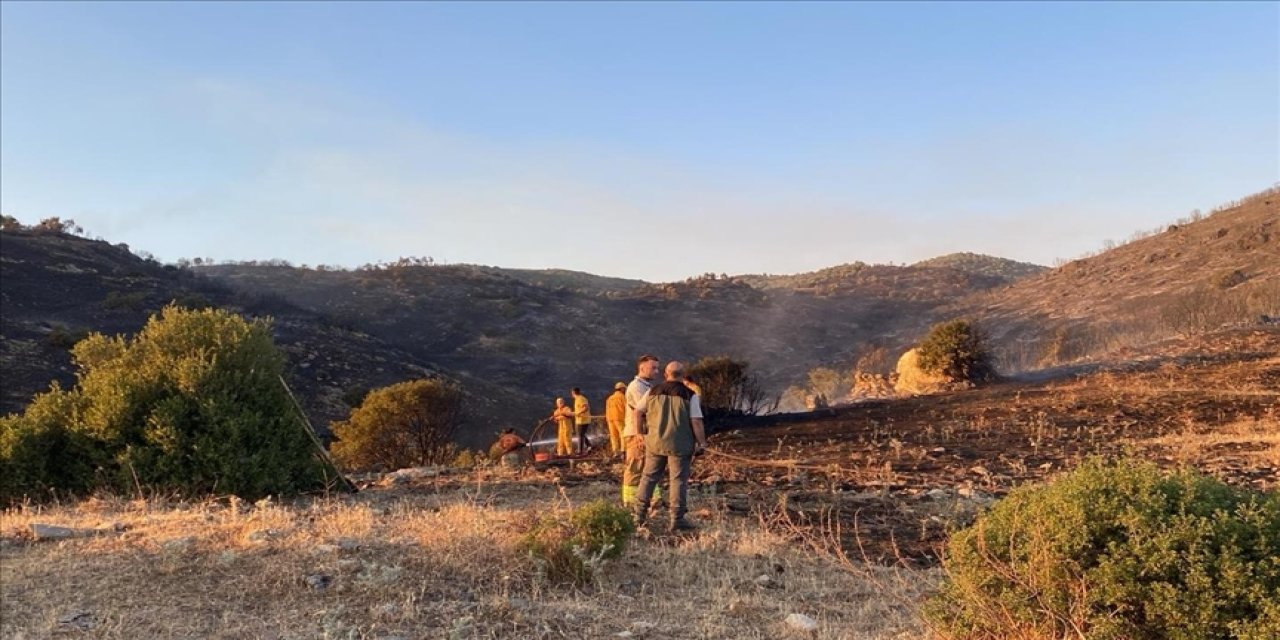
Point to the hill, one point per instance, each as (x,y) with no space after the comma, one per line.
(55,288)
(1192,277)
(979,264)
(544,340)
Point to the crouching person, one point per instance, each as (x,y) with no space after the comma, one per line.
(510,449)
(670,416)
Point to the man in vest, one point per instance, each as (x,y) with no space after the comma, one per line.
(615,414)
(633,444)
(670,416)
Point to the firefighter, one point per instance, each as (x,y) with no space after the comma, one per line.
(615,413)
(563,416)
(581,418)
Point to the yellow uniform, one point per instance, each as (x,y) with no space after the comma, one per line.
(615,413)
(564,431)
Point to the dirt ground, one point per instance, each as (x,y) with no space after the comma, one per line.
(894,474)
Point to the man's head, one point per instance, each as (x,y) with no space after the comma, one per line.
(621,386)
(675,370)
(575,391)
(559,402)
(647,366)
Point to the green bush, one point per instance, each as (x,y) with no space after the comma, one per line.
(402,425)
(193,402)
(573,550)
(957,349)
(1117,551)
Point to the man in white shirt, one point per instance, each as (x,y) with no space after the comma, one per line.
(632,441)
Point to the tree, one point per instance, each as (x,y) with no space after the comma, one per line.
(194,402)
(402,425)
(728,388)
(10,223)
(58,225)
(958,350)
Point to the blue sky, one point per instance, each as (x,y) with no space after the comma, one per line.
(644,140)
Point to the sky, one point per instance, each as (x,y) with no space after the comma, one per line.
(643,140)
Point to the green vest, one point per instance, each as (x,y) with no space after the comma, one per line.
(669,428)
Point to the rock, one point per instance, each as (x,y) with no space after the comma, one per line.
(463,628)
(765,581)
(520,604)
(54,532)
(319,581)
(179,544)
(638,629)
(79,620)
(386,611)
(801,622)
(263,535)
(938,494)
(325,548)
(348,544)
(912,380)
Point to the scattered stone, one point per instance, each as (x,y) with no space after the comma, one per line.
(387,611)
(938,494)
(348,544)
(462,628)
(638,629)
(319,581)
(54,532)
(801,622)
(765,581)
(179,544)
(325,548)
(79,620)
(263,535)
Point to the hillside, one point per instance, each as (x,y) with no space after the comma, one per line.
(979,264)
(55,288)
(1190,278)
(483,322)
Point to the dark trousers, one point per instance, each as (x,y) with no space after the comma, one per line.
(677,469)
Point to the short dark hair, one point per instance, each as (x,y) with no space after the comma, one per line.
(689,377)
(576,391)
(645,358)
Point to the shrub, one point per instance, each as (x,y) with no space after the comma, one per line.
(193,402)
(61,337)
(116,301)
(1230,279)
(466,459)
(1114,551)
(957,349)
(729,388)
(403,425)
(573,550)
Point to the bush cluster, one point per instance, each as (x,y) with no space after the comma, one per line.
(1117,551)
(958,350)
(573,550)
(193,403)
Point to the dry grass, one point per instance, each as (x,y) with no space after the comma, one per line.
(423,562)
